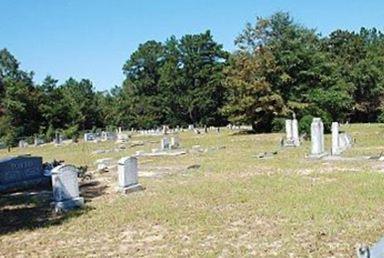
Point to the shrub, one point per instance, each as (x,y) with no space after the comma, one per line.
(71,132)
(278,124)
(305,124)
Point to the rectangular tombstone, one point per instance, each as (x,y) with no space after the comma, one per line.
(295,133)
(23,144)
(65,188)
(108,136)
(317,138)
(58,138)
(128,175)
(37,141)
(288,129)
(165,144)
(191,127)
(175,142)
(21,172)
(292,133)
(345,141)
(89,137)
(335,150)
(103,164)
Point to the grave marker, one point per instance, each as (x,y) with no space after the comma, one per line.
(21,172)
(65,188)
(317,138)
(128,175)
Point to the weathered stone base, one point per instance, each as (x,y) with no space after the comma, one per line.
(318,156)
(131,189)
(68,204)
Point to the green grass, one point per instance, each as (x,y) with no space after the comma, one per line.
(235,204)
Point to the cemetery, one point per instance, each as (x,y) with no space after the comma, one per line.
(192,129)
(171,202)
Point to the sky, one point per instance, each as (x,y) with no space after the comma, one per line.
(92,39)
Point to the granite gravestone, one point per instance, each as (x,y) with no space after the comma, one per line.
(295,132)
(317,138)
(175,142)
(165,143)
(21,172)
(65,188)
(108,136)
(292,133)
(128,175)
(89,137)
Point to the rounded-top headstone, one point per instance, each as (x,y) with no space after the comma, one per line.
(64,183)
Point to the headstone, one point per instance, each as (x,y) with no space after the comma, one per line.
(375,251)
(21,172)
(295,133)
(58,138)
(23,144)
(165,143)
(122,137)
(292,133)
(288,129)
(335,139)
(340,141)
(108,136)
(165,129)
(65,188)
(175,142)
(103,164)
(89,137)
(191,127)
(38,141)
(317,138)
(345,142)
(128,175)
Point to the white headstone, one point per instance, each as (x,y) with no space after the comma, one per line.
(103,164)
(89,137)
(317,138)
(295,133)
(335,139)
(288,129)
(23,144)
(165,129)
(165,144)
(191,127)
(345,142)
(128,175)
(175,143)
(66,188)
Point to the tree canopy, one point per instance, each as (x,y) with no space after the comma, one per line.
(279,67)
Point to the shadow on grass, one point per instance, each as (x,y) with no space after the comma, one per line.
(28,210)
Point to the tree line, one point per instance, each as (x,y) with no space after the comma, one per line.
(279,68)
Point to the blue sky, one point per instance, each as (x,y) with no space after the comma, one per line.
(93,39)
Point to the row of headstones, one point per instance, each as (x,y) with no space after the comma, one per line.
(106,136)
(168,144)
(65,185)
(340,141)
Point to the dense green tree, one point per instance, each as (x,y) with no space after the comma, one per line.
(279,67)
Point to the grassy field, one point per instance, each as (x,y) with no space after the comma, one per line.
(233,205)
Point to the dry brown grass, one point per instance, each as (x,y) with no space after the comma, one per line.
(233,205)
